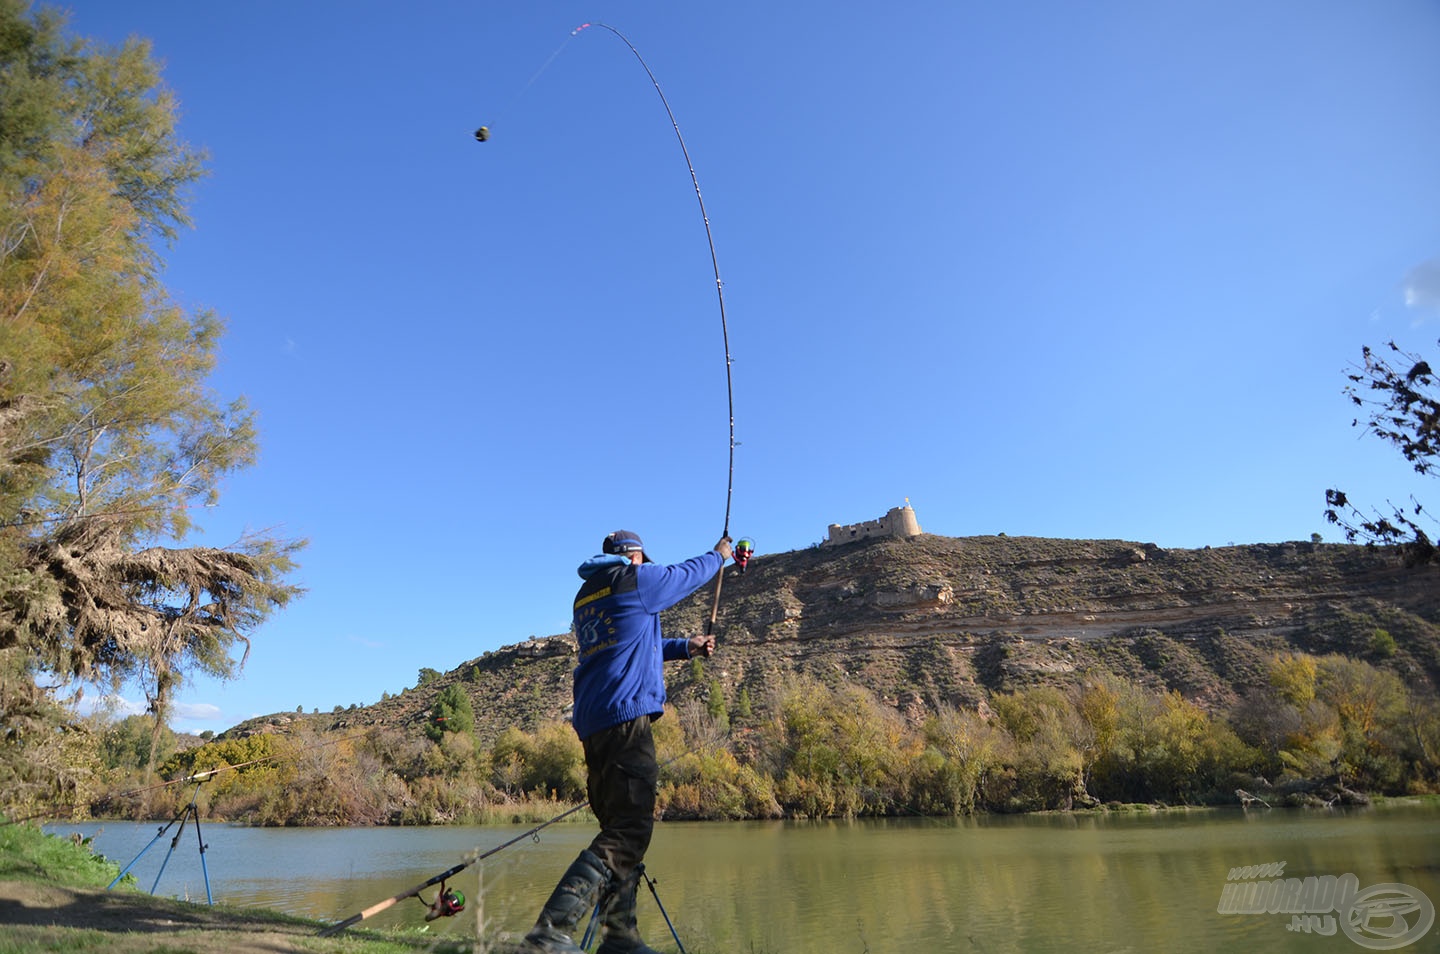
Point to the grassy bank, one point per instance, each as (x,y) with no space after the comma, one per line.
(53,898)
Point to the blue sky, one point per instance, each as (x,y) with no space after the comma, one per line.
(1043,268)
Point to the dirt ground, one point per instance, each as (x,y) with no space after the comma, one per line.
(42,917)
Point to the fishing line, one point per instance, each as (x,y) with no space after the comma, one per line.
(483,133)
(719,292)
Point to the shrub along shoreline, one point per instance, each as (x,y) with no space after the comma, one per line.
(1327,730)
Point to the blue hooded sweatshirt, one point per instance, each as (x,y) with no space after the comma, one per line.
(617,626)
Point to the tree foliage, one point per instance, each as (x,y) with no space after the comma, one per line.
(125,744)
(834,751)
(549,764)
(452,712)
(109,435)
(1046,732)
(962,755)
(1400,395)
(715,705)
(1314,729)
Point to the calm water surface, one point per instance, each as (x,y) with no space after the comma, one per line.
(1069,884)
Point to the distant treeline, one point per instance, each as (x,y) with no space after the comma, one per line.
(1325,729)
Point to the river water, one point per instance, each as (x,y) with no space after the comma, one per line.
(1041,883)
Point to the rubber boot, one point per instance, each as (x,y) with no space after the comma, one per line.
(571,900)
(619,931)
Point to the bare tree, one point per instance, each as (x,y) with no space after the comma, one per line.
(1399,394)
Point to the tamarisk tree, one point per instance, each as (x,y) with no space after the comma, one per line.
(1401,396)
(109,436)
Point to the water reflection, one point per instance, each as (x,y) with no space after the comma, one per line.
(1065,883)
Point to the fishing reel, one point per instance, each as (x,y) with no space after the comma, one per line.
(448,903)
(744,549)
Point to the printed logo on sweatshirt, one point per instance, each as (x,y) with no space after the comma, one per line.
(599,594)
(594,630)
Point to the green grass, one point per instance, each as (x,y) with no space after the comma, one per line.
(41,867)
(28,854)
(23,941)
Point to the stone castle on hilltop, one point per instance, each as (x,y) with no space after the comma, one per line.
(898,522)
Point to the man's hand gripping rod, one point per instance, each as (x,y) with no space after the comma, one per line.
(723,548)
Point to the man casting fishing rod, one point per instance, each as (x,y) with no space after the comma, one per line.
(619,691)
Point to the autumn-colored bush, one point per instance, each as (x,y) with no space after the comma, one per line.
(1328,724)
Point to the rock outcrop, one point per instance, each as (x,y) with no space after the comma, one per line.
(931,621)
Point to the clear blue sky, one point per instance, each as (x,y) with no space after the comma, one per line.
(1044,268)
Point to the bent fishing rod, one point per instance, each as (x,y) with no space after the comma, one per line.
(719,294)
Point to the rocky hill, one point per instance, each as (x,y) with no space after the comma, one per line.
(936,621)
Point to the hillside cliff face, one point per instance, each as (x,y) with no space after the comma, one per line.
(933,622)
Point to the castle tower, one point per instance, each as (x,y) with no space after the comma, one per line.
(903,521)
(898,522)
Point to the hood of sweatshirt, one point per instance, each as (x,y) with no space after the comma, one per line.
(599,563)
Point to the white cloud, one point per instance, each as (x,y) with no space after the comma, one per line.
(1422,285)
(183,715)
(367,643)
(110,705)
(197,711)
